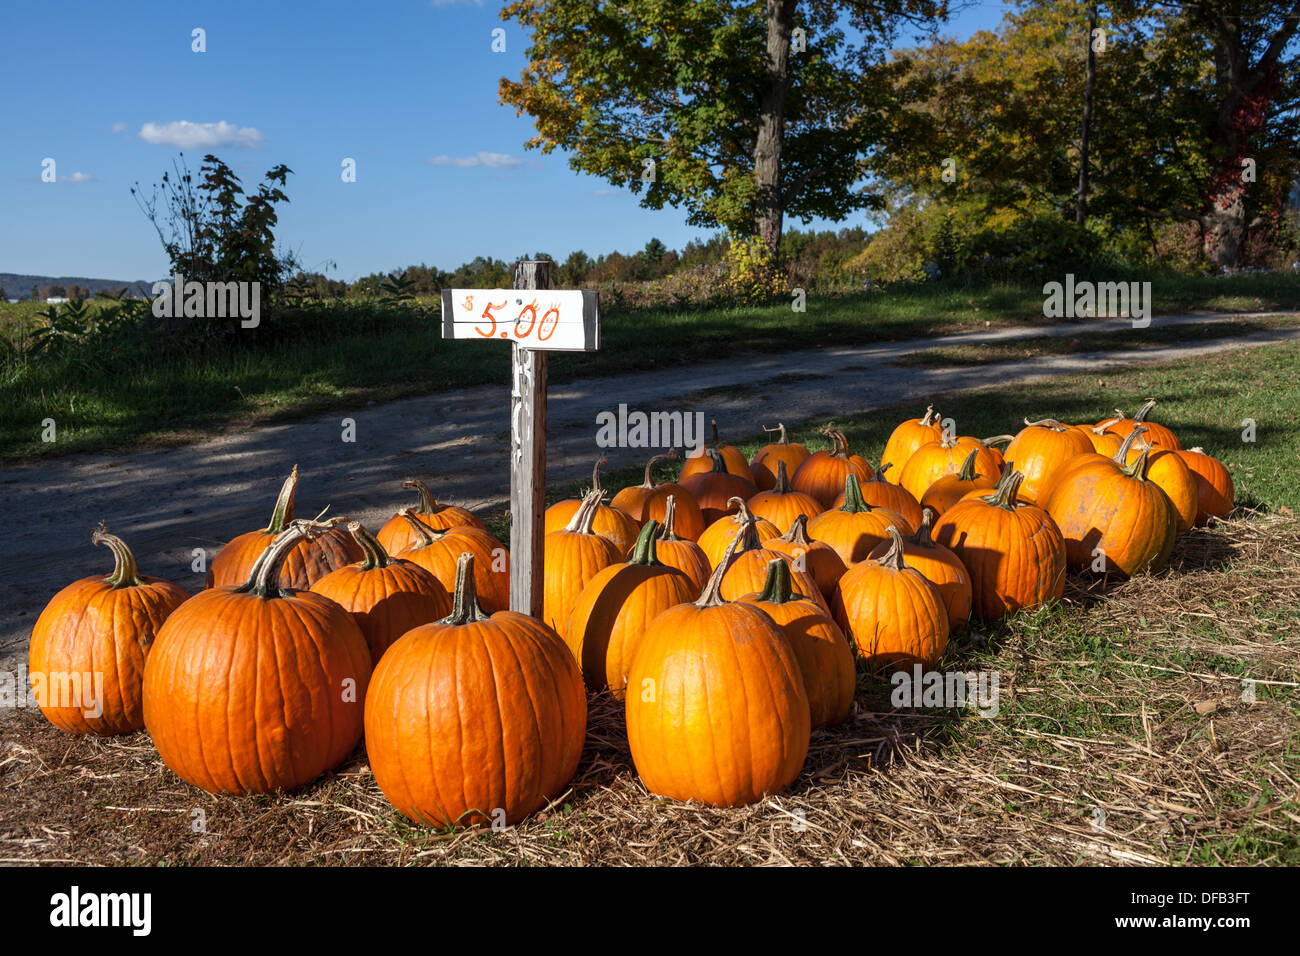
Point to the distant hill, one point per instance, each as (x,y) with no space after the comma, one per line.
(17,286)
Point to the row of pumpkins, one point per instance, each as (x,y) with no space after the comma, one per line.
(724,608)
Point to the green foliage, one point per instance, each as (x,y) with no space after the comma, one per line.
(751,271)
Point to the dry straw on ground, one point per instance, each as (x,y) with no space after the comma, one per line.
(1122,738)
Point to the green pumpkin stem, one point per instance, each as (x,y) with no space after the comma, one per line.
(967,470)
(125,572)
(428,505)
(781,439)
(893,558)
(375,555)
(582,519)
(264,578)
(464,600)
(283,513)
(777,588)
(923,537)
(854,503)
(1004,496)
(649,482)
(669,527)
(644,551)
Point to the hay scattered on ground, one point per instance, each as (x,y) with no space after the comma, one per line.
(1122,738)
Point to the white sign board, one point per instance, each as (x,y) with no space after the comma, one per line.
(535,319)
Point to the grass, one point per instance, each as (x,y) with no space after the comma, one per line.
(149,392)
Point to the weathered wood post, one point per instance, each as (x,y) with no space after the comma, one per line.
(527,457)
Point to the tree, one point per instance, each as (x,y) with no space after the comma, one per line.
(53,292)
(704,104)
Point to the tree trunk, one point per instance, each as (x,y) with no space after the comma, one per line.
(1090,80)
(770,203)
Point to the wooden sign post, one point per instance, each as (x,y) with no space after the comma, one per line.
(535,319)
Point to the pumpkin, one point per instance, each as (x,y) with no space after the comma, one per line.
(718,535)
(386,596)
(745,570)
(1156,434)
(396,535)
(938,565)
(475,718)
(616,607)
(615,525)
(999,456)
(825,658)
(572,557)
(1013,550)
(879,493)
(855,527)
(751,738)
(1167,469)
(935,459)
(257,688)
(907,438)
(781,504)
(681,553)
(763,466)
(649,502)
(311,559)
(1214,489)
(807,554)
(1105,441)
(89,645)
(733,459)
(634,499)
(893,615)
(1113,518)
(438,552)
(1039,449)
(950,489)
(822,473)
(713,490)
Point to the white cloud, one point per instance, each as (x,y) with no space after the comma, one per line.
(118,127)
(77,178)
(490,160)
(186,135)
(605,192)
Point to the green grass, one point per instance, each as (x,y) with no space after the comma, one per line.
(150,391)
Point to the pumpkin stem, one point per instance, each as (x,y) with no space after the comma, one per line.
(1198,449)
(644,552)
(1145,410)
(798,533)
(997,440)
(782,486)
(263,579)
(1138,469)
(423,532)
(649,483)
(586,513)
(464,600)
(893,558)
(375,555)
(716,442)
(1100,427)
(748,524)
(283,513)
(125,573)
(1121,456)
(669,527)
(595,474)
(776,587)
(967,470)
(854,503)
(781,439)
(719,463)
(930,416)
(1051,423)
(923,538)
(427,504)
(880,472)
(711,596)
(840,444)
(1004,496)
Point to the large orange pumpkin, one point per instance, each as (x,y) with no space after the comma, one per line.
(616,607)
(938,565)
(950,489)
(1040,449)
(822,473)
(808,554)
(714,489)
(386,596)
(438,552)
(311,559)
(257,688)
(855,527)
(681,553)
(733,459)
(751,738)
(763,465)
(893,615)
(825,658)
(1013,550)
(1214,490)
(879,493)
(718,535)
(88,650)
(573,556)
(907,438)
(781,504)
(475,718)
(935,459)
(396,534)
(615,525)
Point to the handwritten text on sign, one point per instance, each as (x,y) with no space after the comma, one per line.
(535,319)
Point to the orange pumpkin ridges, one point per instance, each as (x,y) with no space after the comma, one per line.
(609,522)
(938,565)
(438,552)
(880,493)
(395,535)
(573,556)
(257,688)
(781,504)
(948,490)
(855,527)
(1156,434)
(1167,469)
(474,718)
(89,645)
(386,596)
(1215,494)
(718,535)
(615,608)
(822,473)
(807,554)
(634,499)
(781,450)
(713,489)
(718,651)
(745,561)
(907,437)
(935,459)
(825,657)
(1040,449)
(681,553)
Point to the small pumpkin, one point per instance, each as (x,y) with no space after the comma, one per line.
(938,565)
(935,459)
(257,688)
(808,554)
(1214,490)
(438,552)
(311,559)
(822,473)
(1156,434)
(763,465)
(855,527)
(89,645)
(648,501)
(713,490)
(950,489)
(907,437)
(1013,550)
(475,718)
(1042,447)
(386,596)
(396,536)
(681,553)
(733,459)
(781,504)
(718,535)
(880,493)
(616,607)
(572,557)
(893,615)
(1168,470)
(825,658)
(610,522)
(752,738)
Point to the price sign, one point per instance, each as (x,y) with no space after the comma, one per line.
(567,320)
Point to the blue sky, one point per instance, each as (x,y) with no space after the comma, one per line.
(407,88)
